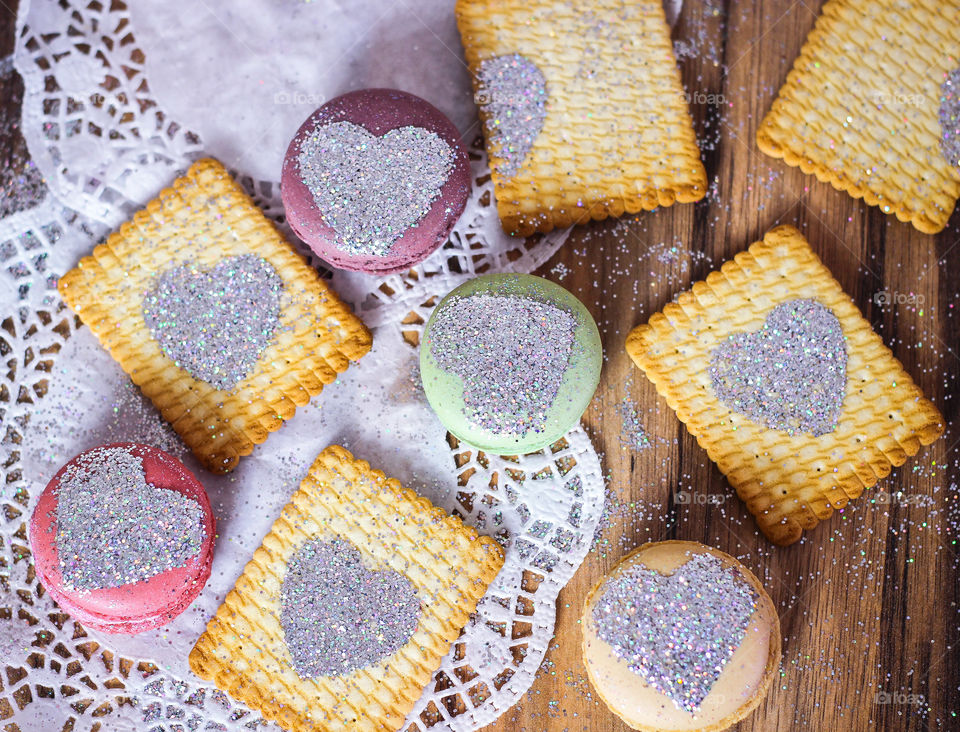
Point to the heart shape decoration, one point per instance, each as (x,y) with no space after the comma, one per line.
(370,190)
(338,615)
(510,352)
(791,375)
(950,118)
(215,323)
(114,528)
(677,631)
(513,95)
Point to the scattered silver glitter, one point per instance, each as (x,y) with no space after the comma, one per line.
(338,615)
(114,529)
(560,271)
(371,189)
(511,353)
(790,375)
(950,118)
(676,631)
(633,435)
(215,323)
(514,93)
(134,419)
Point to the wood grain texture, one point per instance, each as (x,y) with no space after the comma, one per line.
(868,600)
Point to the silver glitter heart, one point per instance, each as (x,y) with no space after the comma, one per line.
(791,375)
(676,631)
(337,615)
(215,323)
(514,93)
(950,117)
(511,354)
(114,528)
(371,189)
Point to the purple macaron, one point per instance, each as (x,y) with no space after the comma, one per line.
(374,180)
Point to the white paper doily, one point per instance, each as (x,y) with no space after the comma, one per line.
(105,144)
(544,508)
(64,393)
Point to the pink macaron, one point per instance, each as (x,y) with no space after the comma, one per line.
(374,180)
(122,538)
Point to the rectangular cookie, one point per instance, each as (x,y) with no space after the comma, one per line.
(862,107)
(229,371)
(583,110)
(245,650)
(800,410)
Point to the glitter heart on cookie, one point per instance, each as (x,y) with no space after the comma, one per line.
(114,528)
(215,323)
(338,615)
(790,375)
(676,631)
(369,189)
(950,117)
(514,93)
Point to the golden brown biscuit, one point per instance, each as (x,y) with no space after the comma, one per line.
(244,650)
(202,222)
(745,676)
(599,124)
(861,107)
(794,476)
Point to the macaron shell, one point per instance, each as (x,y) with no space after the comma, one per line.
(444,390)
(145,604)
(741,686)
(131,625)
(378,111)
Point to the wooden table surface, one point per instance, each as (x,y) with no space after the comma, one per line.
(867,600)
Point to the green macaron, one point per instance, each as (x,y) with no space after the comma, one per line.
(509,362)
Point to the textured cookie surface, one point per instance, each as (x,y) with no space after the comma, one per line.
(789,479)
(187,242)
(244,651)
(616,134)
(861,107)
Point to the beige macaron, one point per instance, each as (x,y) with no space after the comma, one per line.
(744,678)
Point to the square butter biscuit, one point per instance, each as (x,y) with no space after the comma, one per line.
(584,114)
(222,325)
(780,378)
(247,652)
(872,106)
